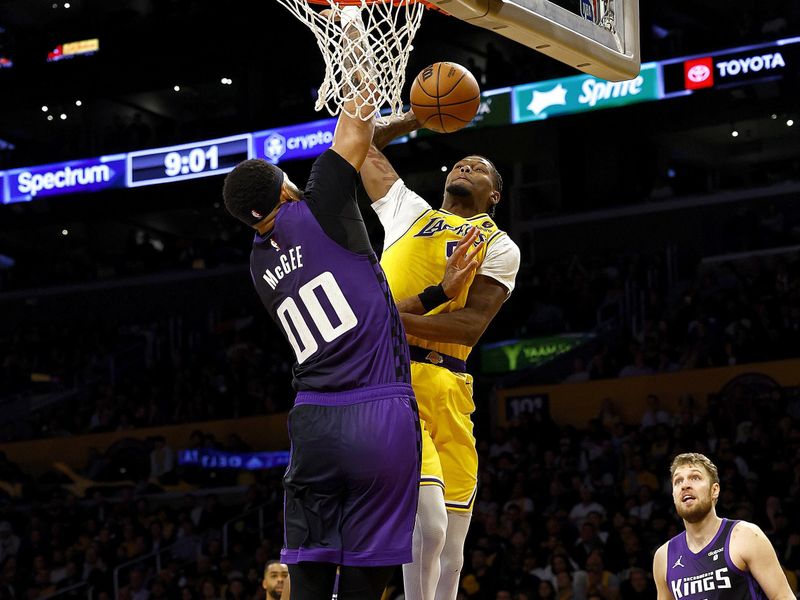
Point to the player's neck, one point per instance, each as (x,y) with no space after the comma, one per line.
(265,225)
(699,534)
(463,207)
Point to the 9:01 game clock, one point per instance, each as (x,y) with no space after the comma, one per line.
(187,161)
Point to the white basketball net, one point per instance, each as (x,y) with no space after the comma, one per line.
(373,38)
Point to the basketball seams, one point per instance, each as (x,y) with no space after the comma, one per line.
(446,104)
(443,107)
(455,85)
(421,88)
(438,97)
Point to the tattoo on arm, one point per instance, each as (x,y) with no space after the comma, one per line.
(378,161)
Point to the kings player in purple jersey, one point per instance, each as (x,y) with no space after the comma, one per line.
(351,485)
(714,558)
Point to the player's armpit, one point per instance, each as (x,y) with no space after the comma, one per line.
(753,548)
(660,574)
(377,174)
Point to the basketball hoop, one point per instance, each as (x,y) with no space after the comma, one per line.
(384,30)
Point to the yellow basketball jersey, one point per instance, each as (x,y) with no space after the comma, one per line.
(417,260)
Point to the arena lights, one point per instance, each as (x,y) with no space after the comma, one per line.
(49,117)
(734,133)
(444,169)
(176,88)
(45,109)
(63,117)
(65,232)
(789,122)
(78,103)
(226,81)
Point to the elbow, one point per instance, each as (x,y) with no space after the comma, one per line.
(472,334)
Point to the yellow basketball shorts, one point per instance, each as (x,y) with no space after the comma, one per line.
(449,457)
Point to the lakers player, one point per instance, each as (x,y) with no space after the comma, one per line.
(418,240)
(714,559)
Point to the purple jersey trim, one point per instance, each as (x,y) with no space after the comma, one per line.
(347,559)
(728,558)
(346,398)
(709,544)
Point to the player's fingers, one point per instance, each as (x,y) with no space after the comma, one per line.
(474,253)
(328,14)
(465,242)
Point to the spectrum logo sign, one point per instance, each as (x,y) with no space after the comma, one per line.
(698,73)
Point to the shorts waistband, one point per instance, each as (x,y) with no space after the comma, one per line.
(356,396)
(423,355)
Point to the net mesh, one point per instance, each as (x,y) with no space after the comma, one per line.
(372,39)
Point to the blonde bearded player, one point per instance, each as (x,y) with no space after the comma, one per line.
(418,240)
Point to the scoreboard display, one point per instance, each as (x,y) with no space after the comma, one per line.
(527,102)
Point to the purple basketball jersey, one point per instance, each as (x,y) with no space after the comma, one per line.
(333,306)
(709,574)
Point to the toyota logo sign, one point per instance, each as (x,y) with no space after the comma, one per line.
(698,73)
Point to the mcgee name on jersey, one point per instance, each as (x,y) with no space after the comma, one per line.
(699,584)
(289,262)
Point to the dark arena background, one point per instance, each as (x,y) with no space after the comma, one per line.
(144,391)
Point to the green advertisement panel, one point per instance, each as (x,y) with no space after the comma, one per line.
(580,93)
(514,355)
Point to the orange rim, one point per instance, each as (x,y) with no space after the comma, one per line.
(427,4)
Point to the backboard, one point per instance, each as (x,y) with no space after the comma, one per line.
(600,38)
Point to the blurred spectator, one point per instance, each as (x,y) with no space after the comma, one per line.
(654,414)
(580,511)
(162,461)
(9,543)
(638,586)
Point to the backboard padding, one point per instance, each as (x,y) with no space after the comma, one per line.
(559,33)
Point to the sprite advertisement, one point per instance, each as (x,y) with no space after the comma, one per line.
(580,93)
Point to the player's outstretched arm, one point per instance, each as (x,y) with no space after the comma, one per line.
(660,574)
(353,135)
(394,128)
(460,265)
(749,543)
(377,174)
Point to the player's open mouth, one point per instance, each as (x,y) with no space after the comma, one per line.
(687,498)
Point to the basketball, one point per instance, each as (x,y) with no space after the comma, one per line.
(445,97)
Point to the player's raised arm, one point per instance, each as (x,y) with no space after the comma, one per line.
(377,173)
(356,122)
